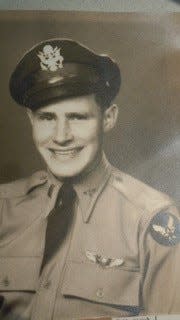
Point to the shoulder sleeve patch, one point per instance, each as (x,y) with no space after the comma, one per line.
(165,228)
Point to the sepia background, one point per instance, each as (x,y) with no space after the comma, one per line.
(146,141)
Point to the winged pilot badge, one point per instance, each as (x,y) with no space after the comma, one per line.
(104,262)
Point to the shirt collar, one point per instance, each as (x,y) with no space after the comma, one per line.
(37,179)
(88,188)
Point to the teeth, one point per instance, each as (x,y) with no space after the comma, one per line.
(65,152)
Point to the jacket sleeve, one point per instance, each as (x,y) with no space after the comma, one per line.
(159,262)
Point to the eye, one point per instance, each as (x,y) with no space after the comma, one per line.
(45,116)
(78,116)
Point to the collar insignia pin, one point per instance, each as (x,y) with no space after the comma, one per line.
(90,192)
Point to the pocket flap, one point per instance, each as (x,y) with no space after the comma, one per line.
(19,273)
(115,286)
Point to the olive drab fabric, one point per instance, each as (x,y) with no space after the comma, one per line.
(120,256)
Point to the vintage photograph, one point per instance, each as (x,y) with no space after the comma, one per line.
(90,165)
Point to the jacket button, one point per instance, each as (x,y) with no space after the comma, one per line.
(100,293)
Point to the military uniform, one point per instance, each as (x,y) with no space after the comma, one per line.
(114,261)
(119,255)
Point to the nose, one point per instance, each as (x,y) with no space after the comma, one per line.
(63,134)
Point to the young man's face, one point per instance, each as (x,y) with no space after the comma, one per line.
(68,134)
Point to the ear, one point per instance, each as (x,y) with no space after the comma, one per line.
(110,117)
(30,115)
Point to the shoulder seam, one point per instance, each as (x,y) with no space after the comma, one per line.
(168,202)
(127,198)
(21,187)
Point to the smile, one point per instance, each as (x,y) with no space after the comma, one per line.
(66,152)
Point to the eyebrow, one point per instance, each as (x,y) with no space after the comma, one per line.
(46,113)
(71,114)
(68,114)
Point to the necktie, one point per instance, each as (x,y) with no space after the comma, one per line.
(59,222)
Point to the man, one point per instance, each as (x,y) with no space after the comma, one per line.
(82,240)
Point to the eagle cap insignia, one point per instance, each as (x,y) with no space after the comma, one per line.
(165,229)
(50,58)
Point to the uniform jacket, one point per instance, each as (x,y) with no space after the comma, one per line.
(120,258)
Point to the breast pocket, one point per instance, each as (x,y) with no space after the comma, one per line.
(19,273)
(18,283)
(112,286)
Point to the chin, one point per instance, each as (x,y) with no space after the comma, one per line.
(72,167)
(59,174)
(63,171)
